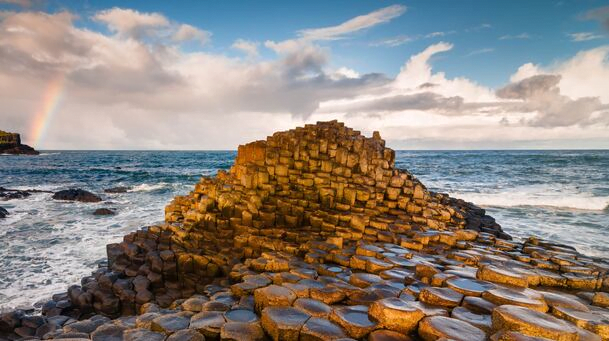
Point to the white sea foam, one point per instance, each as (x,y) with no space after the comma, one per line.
(535,196)
(149,187)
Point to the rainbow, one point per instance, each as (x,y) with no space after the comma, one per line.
(51,99)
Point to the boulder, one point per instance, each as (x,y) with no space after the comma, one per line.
(104,211)
(3,212)
(120,189)
(76,195)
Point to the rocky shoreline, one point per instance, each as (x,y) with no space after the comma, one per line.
(315,235)
(10,143)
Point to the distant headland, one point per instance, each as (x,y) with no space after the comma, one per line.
(10,143)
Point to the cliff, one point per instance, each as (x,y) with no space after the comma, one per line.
(10,143)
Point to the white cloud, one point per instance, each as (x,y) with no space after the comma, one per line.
(525,71)
(187,32)
(583,36)
(393,41)
(480,51)
(250,48)
(130,23)
(403,39)
(522,36)
(136,88)
(358,23)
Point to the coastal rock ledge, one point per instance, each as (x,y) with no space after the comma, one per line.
(314,234)
(10,143)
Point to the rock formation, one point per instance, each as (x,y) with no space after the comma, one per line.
(10,143)
(314,235)
(76,195)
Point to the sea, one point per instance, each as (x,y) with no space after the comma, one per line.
(47,245)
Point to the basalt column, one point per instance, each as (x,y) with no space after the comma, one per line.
(321,182)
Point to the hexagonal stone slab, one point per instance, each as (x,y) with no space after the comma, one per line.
(141,334)
(354,320)
(208,323)
(502,275)
(241,331)
(363,279)
(320,329)
(283,323)
(521,297)
(595,323)
(313,307)
(241,315)
(564,300)
(328,294)
(481,321)
(195,303)
(273,296)
(387,335)
(108,332)
(468,286)
(396,314)
(507,335)
(436,327)
(170,323)
(442,297)
(533,323)
(186,335)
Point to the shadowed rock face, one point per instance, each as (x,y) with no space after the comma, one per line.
(314,235)
(10,143)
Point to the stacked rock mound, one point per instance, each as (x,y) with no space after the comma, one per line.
(314,235)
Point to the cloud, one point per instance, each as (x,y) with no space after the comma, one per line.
(480,51)
(583,36)
(131,23)
(403,39)
(356,24)
(250,48)
(141,87)
(187,32)
(600,14)
(420,101)
(541,94)
(480,27)
(135,86)
(393,41)
(522,36)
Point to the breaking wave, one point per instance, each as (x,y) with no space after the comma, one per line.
(149,187)
(580,201)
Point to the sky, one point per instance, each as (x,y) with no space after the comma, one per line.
(200,75)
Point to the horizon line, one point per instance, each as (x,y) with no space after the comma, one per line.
(234,150)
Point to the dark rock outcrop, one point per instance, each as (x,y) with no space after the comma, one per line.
(8,194)
(104,211)
(120,189)
(76,195)
(10,143)
(3,212)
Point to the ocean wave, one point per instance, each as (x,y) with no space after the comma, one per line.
(45,154)
(149,187)
(579,201)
